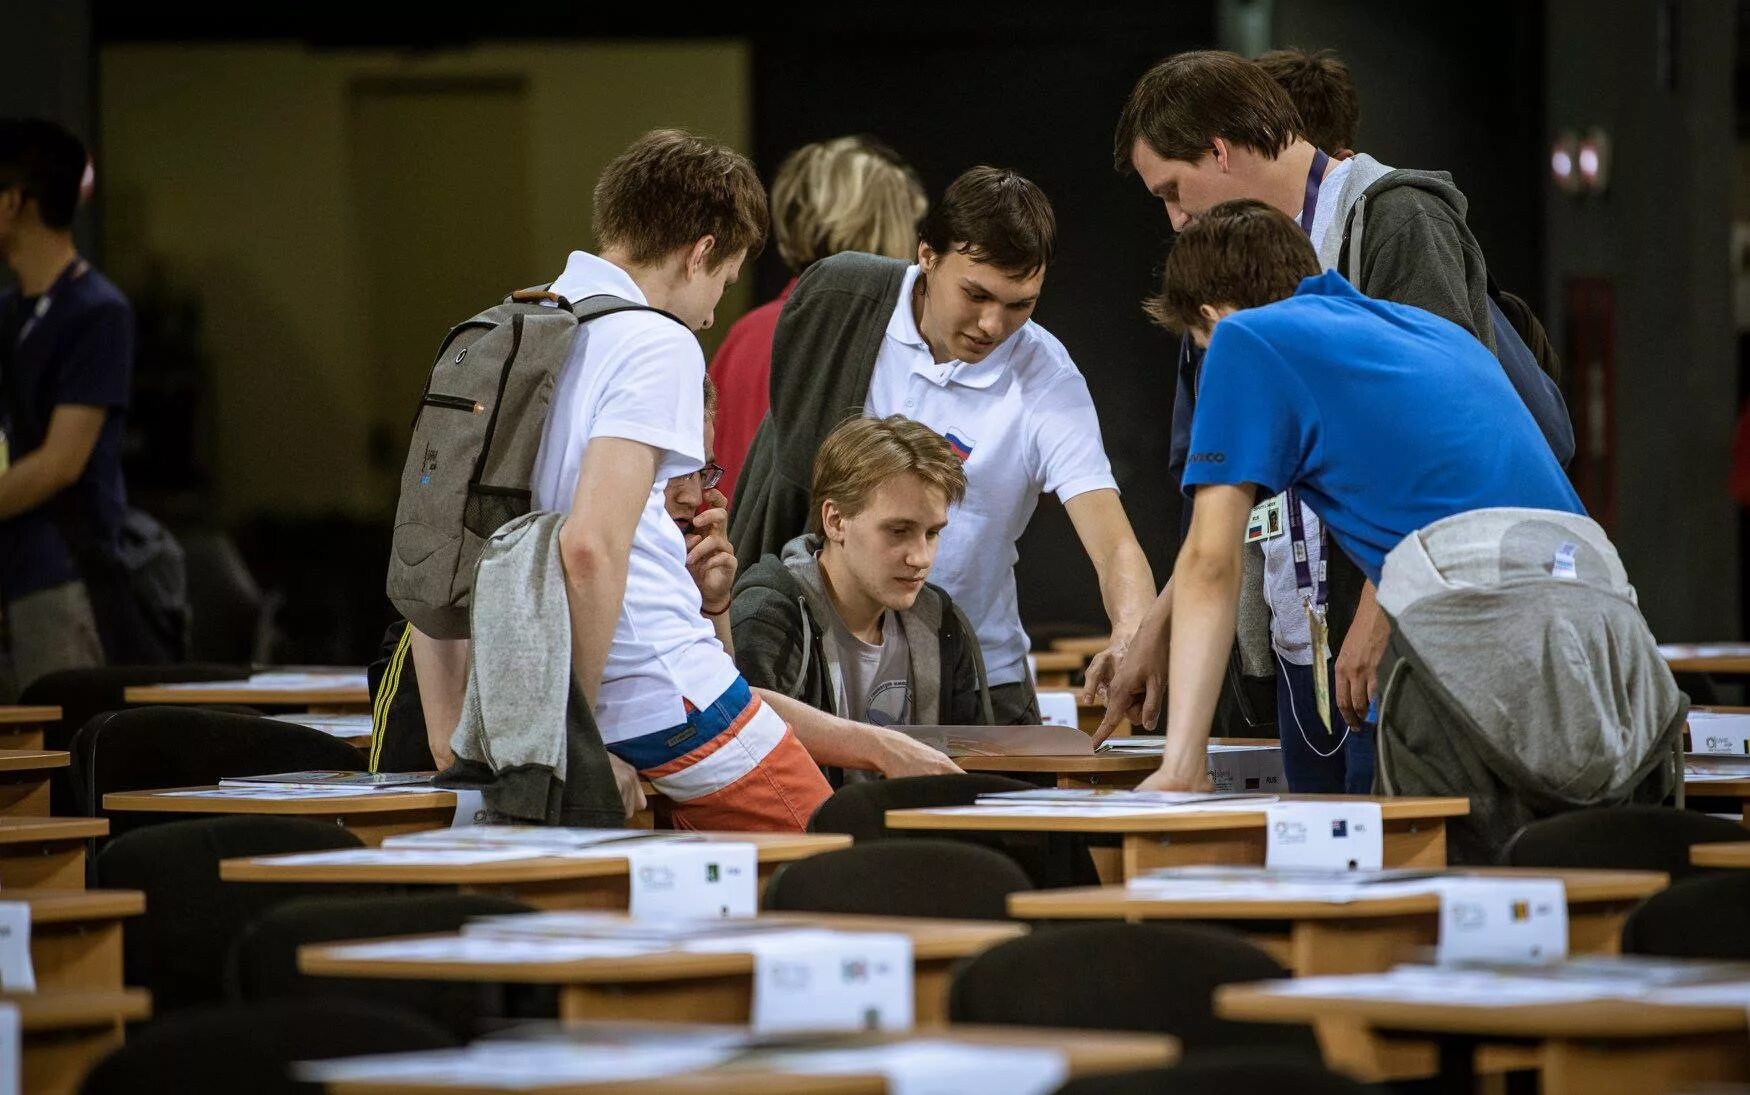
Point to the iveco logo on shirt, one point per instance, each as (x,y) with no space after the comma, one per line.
(1208,458)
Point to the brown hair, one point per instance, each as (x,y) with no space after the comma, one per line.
(1181,105)
(670,189)
(863,453)
(1243,254)
(846,194)
(994,215)
(1319,85)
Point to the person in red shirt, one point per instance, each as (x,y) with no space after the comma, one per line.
(846,194)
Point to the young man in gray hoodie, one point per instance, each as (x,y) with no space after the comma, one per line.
(1205,127)
(842,619)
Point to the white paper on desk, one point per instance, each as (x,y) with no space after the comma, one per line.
(1457,988)
(403,857)
(470,809)
(1497,919)
(549,838)
(1058,709)
(490,949)
(16,974)
(940,1067)
(517,1066)
(1263,890)
(308,681)
(339,726)
(279,794)
(1704,650)
(11,1050)
(815,979)
(1325,834)
(710,878)
(1719,732)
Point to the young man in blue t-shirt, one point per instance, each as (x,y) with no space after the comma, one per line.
(66,367)
(1383,417)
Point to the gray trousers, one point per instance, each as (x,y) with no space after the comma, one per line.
(1014,704)
(45,631)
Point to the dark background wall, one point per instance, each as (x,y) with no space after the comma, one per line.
(47,68)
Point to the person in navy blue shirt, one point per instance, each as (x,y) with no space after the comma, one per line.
(1385,418)
(66,363)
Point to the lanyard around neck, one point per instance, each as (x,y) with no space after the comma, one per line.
(1315,177)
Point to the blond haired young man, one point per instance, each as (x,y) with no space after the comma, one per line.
(843,618)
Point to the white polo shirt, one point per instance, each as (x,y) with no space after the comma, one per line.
(1023,422)
(639,376)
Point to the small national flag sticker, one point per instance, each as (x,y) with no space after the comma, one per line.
(960,442)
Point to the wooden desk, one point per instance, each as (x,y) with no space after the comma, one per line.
(1083,646)
(24,780)
(1714,659)
(546,883)
(343,700)
(76,936)
(1415,831)
(45,852)
(22,727)
(1087,1053)
(680,986)
(1100,770)
(371,816)
(65,1033)
(1729,854)
(1721,788)
(1364,936)
(1582,1048)
(1052,669)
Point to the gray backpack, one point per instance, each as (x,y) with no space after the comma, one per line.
(475,437)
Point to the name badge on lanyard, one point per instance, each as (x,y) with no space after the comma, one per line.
(1266,521)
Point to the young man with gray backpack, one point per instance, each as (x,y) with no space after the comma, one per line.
(548,431)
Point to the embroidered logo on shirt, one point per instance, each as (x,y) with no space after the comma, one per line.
(960,443)
(1208,458)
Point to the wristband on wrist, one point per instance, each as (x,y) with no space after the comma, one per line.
(720,611)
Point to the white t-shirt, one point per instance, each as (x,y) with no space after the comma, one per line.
(1288,628)
(1024,423)
(875,679)
(639,376)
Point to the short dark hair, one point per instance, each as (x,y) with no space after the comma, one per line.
(995,216)
(670,189)
(1182,104)
(45,161)
(1322,91)
(1242,253)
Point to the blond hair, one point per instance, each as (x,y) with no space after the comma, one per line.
(863,453)
(846,194)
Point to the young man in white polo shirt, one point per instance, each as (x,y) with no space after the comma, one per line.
(676,216)
(949,342)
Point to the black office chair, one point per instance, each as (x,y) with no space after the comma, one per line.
(860,810)
(1706,916)
(178,948)
(225,1050)
(146,748)
(264,960)
(227,610)
(930,878)
(1149,978)
(1221,1072)
(1644,838)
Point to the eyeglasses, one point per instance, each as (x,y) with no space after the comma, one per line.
(711,475)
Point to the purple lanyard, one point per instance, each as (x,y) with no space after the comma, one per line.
(1304,578)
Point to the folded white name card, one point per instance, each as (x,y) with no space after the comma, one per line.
(815,979)
(1058,709)
(941,1067)
(1719,733)
(710,878)
(16,974)
(1486,919)
(1345,835)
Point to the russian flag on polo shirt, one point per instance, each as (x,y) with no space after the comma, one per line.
(960,443)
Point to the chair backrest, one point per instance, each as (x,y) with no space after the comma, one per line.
(1707,916)
(264,960)
(1221,1072)
(933,878)
(226,604)
(225,1050)
(1153,978)
(1644,838)
(83,694)
(178,948)
(150,747)
(860,810)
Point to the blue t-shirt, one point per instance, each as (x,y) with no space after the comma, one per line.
(79,350)
(1385,418)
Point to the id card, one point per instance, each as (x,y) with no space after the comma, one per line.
(1267,521)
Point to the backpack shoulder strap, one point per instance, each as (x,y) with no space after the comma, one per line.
(606,304)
